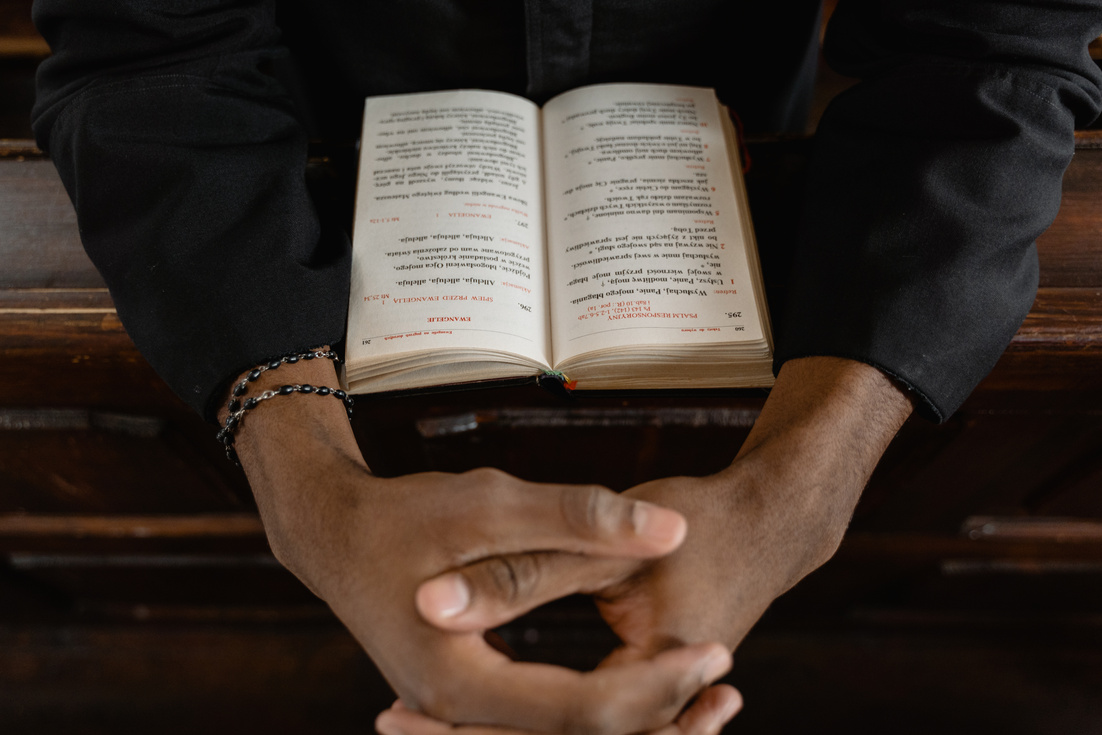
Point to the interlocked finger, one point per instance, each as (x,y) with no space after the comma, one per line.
(633,698)
(513,516)
(493,591)
(714,708)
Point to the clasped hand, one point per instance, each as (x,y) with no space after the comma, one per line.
(529,545)
(494,547)
(365,545)
(418,567)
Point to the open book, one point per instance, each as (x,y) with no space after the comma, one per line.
(605,237)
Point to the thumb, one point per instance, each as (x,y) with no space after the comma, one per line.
(493,591)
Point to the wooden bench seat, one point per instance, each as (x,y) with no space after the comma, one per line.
(124,530)
(137,592)
(68,364)
(57,315)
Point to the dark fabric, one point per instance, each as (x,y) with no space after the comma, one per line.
(179,129)
(559,34)
(185,162)
(932,179)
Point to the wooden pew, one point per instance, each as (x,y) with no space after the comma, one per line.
(136,590)
(70,371)
(117,508)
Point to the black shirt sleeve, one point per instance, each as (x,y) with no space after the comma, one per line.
(931,180)
(186,162)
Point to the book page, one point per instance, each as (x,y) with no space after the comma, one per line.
(448,241)
(645,240)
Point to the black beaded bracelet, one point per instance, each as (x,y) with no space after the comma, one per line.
(226,434)
(243,387)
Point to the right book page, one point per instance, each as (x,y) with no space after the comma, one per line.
(649,240)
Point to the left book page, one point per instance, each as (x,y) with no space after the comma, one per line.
(449,278)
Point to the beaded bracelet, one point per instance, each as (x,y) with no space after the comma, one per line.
(237,407)
(241,388)
(226,434)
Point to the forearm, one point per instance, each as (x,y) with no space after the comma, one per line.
(290,447)
(831,410)
(811,452)
(364,545)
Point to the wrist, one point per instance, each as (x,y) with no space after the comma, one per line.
(832,405)
(297,451)
(797,507)
(270,427)
(810,454)
(829,418)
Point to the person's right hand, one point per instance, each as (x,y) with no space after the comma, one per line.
(365,544)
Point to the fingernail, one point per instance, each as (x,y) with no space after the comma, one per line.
(385,725)
(715,666)
(447,596)
(730,710)
(657,524)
